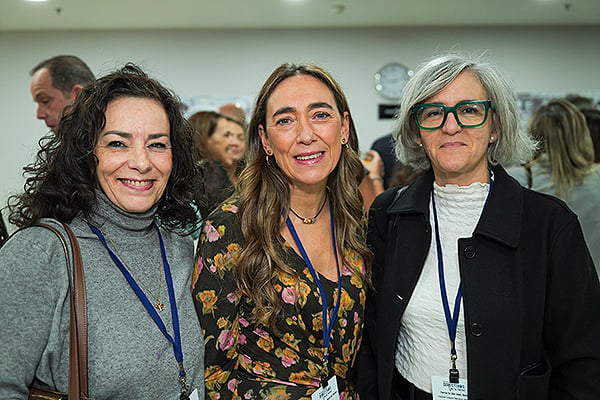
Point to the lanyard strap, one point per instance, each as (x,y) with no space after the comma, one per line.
(451,319)
(176,340)
(327,327)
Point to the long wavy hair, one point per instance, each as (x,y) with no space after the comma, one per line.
(566,140)
(264,195)
(61,182)
(513,147)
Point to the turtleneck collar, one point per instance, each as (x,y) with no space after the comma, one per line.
(455,192)
(460,206)
(107,211)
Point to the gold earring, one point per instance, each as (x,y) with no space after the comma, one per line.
(343,140)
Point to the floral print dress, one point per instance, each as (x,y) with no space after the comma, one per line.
(245,359)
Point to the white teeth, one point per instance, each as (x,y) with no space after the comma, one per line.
(311,157)
(135,183)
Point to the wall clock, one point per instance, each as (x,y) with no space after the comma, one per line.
(391,79)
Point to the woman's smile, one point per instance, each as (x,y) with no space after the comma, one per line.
(310,158)
(138,184)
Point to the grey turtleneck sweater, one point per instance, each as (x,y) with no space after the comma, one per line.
(129,358)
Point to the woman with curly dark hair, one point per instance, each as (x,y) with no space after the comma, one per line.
(283,267)
(121,172)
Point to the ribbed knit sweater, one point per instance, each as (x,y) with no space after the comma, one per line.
(129,358)
(423,348)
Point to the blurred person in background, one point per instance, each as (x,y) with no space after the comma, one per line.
(3,231)
(55,83)
(221,142)
(233,110)
(592,117)
(564,166)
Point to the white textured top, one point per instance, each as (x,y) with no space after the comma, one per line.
(423,347)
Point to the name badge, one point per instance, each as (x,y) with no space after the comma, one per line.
(329,392)
(443,389)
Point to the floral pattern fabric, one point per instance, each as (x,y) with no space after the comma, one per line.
(247,360)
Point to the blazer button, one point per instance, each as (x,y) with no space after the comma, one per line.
(476,329)
(470,252)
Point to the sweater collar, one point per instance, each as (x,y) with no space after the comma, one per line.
(108,212)
(500,219)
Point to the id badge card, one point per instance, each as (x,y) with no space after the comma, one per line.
(443,389)
(329,392)
(194,395)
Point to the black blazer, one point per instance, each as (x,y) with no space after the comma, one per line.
(531,294)
(3,231)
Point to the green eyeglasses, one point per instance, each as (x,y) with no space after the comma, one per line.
(468,114)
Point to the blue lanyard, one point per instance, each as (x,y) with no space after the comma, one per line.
(451,319)
(176,342)
(327,328)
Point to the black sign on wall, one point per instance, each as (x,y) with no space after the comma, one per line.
(387,111)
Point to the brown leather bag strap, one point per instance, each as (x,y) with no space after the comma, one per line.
(78,365)
(80,314)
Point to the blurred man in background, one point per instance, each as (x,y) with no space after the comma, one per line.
(55,83)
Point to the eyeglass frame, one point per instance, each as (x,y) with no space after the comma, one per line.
(486,103)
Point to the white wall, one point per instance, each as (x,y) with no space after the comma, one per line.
(229,63)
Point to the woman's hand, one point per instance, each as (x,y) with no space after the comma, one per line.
(373,162)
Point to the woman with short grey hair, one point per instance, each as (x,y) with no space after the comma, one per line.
(513,148)
(482,288)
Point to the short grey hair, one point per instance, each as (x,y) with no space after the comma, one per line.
(513,147)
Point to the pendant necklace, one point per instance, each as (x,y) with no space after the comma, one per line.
(328,319)
(158,304)
(310,221)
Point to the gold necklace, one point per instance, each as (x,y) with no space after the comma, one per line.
(310,221)
(158,305)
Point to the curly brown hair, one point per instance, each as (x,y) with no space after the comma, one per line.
(61,182)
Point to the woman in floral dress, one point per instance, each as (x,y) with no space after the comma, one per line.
(282,267)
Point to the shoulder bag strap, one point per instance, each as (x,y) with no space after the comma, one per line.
(78,365)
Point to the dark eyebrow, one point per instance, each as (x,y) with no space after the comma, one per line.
(284,110)
(312,106)
(320,104)
(127,135)
(158,135)
(118,133)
